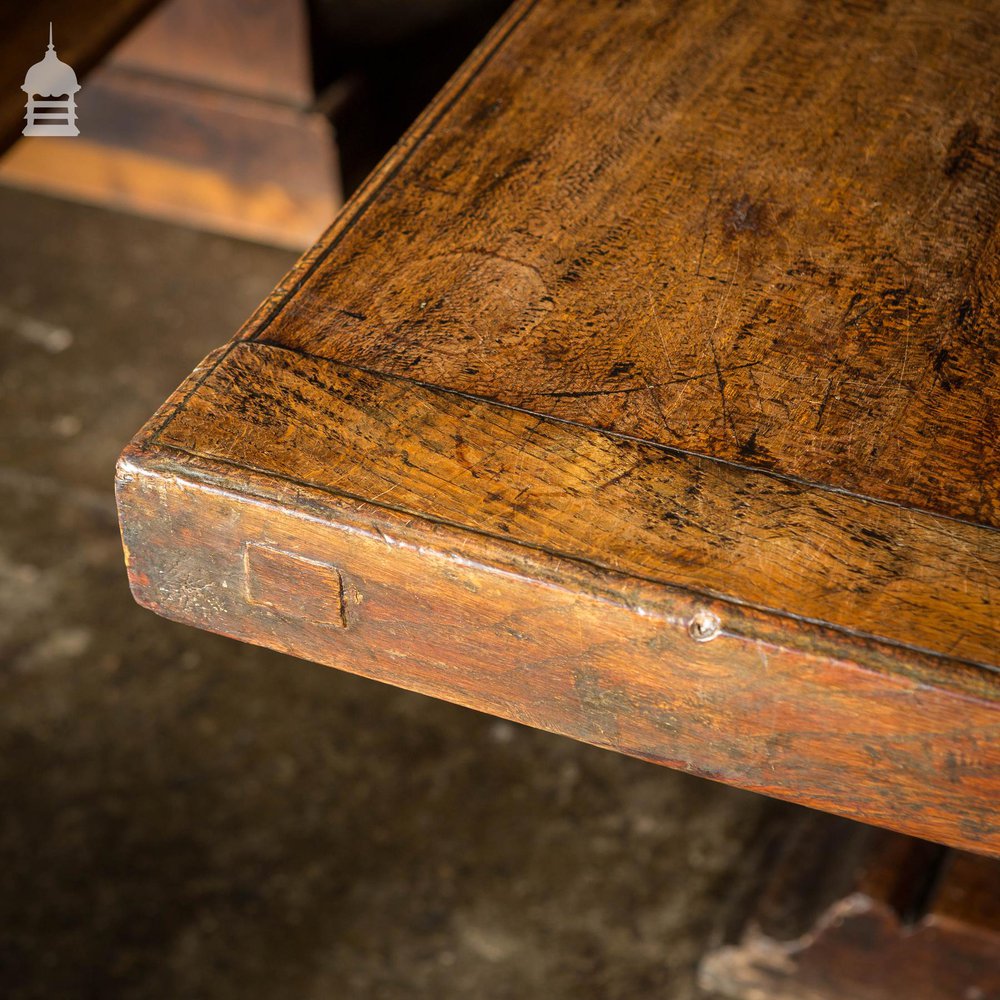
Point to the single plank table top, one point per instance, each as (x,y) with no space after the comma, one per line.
(648,393)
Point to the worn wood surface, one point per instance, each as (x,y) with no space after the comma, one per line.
(766,232)
(845,912)
(645,393)
(677,518)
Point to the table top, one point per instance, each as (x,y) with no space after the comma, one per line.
(647,392)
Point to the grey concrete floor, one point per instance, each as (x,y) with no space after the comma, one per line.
(185,816)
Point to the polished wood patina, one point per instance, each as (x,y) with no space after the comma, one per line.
(647,393)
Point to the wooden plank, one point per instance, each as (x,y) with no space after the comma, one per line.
(763,232)
(225,162)
(615,503)
(645,393)
(714,688)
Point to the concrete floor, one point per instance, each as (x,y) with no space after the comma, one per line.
(185,816)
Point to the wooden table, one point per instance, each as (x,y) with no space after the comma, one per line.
(647,393)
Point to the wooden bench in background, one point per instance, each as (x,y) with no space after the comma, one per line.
(646,393)
(205,114)
(91,31)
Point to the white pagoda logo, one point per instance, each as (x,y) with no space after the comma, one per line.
(51,88)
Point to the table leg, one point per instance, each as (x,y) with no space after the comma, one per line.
(848,912)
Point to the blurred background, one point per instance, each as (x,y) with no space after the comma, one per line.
(185,816)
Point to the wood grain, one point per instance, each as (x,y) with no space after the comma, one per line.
(765,232)
(793,711)
(645,393)
(920,580)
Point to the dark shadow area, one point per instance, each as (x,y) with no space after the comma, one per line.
(386,61)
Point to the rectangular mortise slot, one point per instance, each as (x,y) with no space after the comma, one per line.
(294,586)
